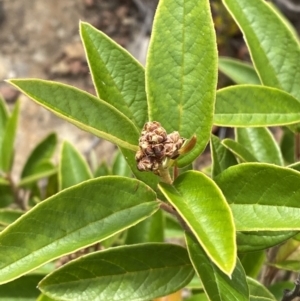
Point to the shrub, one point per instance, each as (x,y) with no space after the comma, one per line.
(161,118)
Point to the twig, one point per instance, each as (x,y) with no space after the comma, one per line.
(168,208)
(15,192)
(289,295)
(165,175)
(270,272)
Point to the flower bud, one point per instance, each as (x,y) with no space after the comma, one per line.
(155,146)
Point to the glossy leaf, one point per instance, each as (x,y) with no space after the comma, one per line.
(6,194)
(44,170)
(8,141)
(42,152)
(238,71)
(137,272)
(147,177)
(172,228)
(22,289)
(38,164)
(82,109)
(288,251)
(258,292)
(118,77)
(252,262)
(255,106)
(217,285)
(222,158)
(278,288)
(4,115)
(287,145)
(261,143)
(73,168)
(149,230)
(52,185)
(274,50)
(262,197)
(255,241)
(295,166)
(120,166)
(102,170)
(288,265)
(181,71)
(72,219)
(207,214)
(8,216)
(43,297)
(239,150)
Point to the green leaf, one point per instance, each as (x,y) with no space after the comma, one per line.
(73,168)
(288,251)
(147,177)
(118,77)
(273,46)
(255,241)
(207,214)
(8,216)
(258,292)
(42,152)
(38,163)
(217,285)
(222,158)
(197,297)
(82,109)
(181,71)
(172,228)
(149,230)
(4,116)
(277,288)
(288,265)
(262,197)
(287,145)
(238,71)
(43,297)
(255,106)
(252,262)
(72,219)
(43,170)
(22,289)
(137,272)
(52,185)
(295,166)
(6,194)
(239,150)
(8,141)
(120,166)
(261,143)
(102,170)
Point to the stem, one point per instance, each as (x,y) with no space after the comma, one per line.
(289,295)
(176,173)
(165,176)
(168,208)
(270,272)
(15,192)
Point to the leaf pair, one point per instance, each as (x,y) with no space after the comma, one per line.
(8,129)
(277,66)
(180,81)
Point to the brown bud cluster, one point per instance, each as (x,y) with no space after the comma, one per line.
(155,146)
